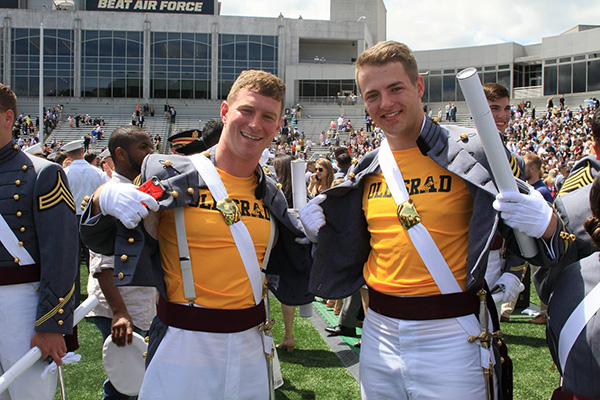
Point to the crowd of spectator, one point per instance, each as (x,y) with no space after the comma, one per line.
(559,135)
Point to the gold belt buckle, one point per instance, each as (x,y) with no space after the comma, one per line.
(408,215)
(230,210)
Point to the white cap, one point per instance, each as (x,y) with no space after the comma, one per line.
(105,154)
(125,366)
(74,145)
(35,149)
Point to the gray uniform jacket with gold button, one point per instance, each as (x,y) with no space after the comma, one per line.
(582,369)
(573,207)
(343,243)
(37,205)
(137,260)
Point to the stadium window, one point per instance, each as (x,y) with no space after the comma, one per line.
(550,80)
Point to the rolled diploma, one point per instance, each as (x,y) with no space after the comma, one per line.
(299,199)
(470,84)
(298,184)
(35,353)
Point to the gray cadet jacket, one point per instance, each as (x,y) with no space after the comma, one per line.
(343,243)
(573,206)
(38,206)
(137,260)
(583,364)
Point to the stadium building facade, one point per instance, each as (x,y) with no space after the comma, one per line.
(108,53)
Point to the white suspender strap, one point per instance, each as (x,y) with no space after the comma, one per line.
(240,233)
(578,319)
(11,243)
(187,275)
(424,244)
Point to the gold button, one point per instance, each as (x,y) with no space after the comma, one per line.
(82,206)
(22,229)
(60,322)
(501,359)
(60,299)
(120,276)
(354,161)
(464,137)
(206,154)
(18,182)
(131,240)
(20,244)
(24,167)
(37,289)
(86,198)
(61,311)
(145,354)
(190,191)
(16,147)
(19,214)
(124,257)
(17,260)
(168,163)
(174,194)
(572,237)
(16,197)
(279,186)
(147,339)
(351,175)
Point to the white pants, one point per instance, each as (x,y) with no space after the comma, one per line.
(207,366)
(422,360)
(18,306)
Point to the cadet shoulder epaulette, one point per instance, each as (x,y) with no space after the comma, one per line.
(59,193)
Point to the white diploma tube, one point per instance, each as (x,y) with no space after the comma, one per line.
(470,85)
(299,199)
(298,184)
(25,362)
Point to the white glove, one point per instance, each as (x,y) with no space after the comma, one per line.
(510,286)
(124,202)
(529,214)
(312,217)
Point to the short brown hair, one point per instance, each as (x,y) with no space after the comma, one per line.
(261,82)
(8,99)
(495,91)
(534,160)
(387,52)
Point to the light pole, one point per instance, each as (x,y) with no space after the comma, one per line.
(41,102)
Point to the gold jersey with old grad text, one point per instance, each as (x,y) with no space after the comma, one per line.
(445,207)
(220,277)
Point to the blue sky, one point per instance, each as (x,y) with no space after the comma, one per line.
(437,24)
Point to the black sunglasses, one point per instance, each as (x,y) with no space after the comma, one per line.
(319,169)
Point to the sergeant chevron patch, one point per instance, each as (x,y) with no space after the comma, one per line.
(577,180)
(56,195)
(514,166)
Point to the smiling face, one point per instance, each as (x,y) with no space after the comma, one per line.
(393,100)
(501,112)
(250,122)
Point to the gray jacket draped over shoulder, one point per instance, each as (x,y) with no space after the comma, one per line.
(137,260)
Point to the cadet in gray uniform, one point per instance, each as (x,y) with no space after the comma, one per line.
(573,336)
(223,305)
(38,254)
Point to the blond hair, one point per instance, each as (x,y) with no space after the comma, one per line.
(386,52)
(261,82)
